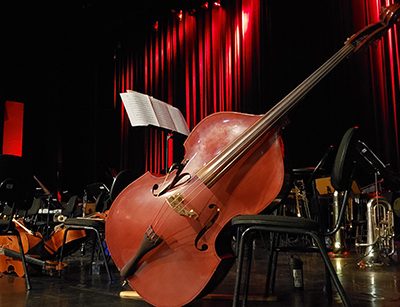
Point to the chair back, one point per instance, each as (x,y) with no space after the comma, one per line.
(36,205)
(93,190)
(70,206)
(121,181)
(102,201)
(345,161)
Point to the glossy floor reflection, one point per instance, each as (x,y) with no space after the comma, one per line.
(375,286)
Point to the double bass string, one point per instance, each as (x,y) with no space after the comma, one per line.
(256,129)
(289,101)
(281,108)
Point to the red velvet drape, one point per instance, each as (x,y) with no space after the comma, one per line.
(200,61)
(384,66)
(211,60)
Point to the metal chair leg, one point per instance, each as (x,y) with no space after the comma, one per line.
(60,258)
(100,243)
(272,264)
(21,250)
(248,259)
(331,269)
(239,266)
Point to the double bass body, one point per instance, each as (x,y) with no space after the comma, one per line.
(235,166)
(184,261)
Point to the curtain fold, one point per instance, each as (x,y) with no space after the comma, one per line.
(209,60)
(384,78)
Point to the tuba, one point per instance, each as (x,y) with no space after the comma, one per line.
(380,231)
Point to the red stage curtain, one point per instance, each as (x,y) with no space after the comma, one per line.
(384,66)
(210,60)
(201,62)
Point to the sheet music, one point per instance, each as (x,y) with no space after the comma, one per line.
(139,109)
(145,110)
(179,120)
(162,112)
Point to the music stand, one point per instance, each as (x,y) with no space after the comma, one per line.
(144,110)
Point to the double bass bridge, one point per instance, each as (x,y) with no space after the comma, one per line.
(176,202)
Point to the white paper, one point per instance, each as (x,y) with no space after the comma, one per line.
(179,120)
(139,109)
(164,118)
(144,110)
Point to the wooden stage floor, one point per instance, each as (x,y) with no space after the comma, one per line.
(374,286)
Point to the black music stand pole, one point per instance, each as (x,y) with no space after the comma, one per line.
(170,134)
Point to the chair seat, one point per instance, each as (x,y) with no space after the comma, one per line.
(82,222)
(275,220)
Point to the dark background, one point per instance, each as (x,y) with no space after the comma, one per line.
(58,59)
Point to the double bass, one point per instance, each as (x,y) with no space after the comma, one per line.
(166,234)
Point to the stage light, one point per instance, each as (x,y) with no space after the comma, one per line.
(204,5)
(155,25)
(217,3)
(178,14)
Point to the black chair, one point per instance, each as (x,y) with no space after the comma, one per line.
(121,181)
(249,227)
(94,227)
(70,207)
(16,191)
(31,216)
